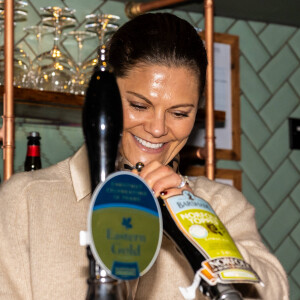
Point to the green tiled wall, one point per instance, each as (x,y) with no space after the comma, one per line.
(270,94)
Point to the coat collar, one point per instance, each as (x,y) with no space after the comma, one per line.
(80,174)
(79,168)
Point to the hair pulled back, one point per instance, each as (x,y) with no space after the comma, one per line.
(158,38)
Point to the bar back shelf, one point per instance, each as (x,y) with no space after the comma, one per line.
(61,107)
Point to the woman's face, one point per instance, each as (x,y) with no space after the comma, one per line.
(159,108)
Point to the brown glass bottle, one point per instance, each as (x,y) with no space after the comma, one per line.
(33,156)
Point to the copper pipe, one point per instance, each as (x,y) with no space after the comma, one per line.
(133,9)
(1,133)
(8,97)
(192,153)
(210,138)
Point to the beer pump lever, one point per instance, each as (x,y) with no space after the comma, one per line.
(102,122)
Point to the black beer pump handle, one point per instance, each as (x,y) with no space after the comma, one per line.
(102,121)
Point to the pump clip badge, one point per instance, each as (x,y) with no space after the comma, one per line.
(199,223)
(125,226)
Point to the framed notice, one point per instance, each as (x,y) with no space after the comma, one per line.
(227,99)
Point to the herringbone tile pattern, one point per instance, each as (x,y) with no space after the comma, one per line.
(270,94)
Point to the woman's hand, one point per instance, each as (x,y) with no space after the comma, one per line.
(162,179)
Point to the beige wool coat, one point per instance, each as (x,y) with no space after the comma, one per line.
(42,213)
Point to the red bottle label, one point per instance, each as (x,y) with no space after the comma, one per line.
(33,150)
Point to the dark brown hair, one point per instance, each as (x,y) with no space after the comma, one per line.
(157,38)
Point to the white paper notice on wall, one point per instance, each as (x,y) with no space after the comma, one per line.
(222,91)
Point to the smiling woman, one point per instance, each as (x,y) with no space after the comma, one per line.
(160,105)
(160,64)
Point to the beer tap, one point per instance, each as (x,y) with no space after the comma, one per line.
(102,127)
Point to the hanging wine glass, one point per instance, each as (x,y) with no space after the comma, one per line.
(104,25)
(57,11)
(22,63)
(38,31)
(22,68)
(55,69)
(17,5)
(19,10)
(80,36)
(78,83)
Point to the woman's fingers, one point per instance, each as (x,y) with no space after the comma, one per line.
(162,178)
